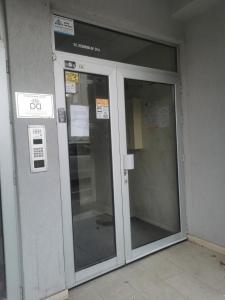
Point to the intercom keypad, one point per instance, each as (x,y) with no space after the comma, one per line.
(37,145)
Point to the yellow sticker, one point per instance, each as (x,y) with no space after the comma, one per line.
(72,76)
(102,102)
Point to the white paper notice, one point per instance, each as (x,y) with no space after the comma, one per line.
(79,117)
(157,116)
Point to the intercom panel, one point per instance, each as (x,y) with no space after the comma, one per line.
(38,150)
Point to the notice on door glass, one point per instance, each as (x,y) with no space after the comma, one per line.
(79,119)
(71,78)
(102,108)
(157,116)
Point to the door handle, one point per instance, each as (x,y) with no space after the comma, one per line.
(128,162)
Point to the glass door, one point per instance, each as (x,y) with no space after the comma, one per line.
(90,167)
(151,160)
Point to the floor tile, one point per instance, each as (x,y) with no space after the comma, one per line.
(182,272)
(194,289)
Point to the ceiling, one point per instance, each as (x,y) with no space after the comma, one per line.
(186,9)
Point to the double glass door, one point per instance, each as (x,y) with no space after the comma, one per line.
(119,145)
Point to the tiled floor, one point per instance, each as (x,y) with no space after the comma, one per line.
(184,271)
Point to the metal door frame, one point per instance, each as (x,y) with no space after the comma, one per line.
(117,72)
(88,65)
(158,76)
(9,204)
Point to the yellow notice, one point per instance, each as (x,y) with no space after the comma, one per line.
(102,108)
(72,78)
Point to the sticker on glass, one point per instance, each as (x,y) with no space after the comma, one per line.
(63,25)
(72,79)
(102,108)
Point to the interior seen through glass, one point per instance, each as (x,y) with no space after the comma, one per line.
(151,138)
(88,122)
(2,258)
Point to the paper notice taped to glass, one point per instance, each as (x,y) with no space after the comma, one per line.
(79,118)
(157,116)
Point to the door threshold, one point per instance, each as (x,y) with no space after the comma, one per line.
(120,266)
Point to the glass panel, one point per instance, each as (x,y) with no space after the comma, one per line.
(2,257)
(153,184)
(94,41)
(88,122)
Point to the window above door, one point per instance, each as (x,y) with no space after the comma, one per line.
(90,40)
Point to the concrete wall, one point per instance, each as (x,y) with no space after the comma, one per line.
(31,70)
(205,125)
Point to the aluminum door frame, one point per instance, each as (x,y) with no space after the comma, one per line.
(158,76)
(10,220)
(88,65)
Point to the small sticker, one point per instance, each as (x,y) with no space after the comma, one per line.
(72,79)
(70,64)
(63,25)
(102,108)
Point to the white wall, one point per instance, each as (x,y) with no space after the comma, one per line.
(205,125)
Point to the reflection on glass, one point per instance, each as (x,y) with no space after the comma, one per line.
(88,122)
(153,184)
(2,258)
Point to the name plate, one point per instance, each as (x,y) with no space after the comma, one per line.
(32,105)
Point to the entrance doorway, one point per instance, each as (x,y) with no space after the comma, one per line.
(120,163)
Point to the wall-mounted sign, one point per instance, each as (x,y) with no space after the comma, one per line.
(29,105)
(70,64)
(63,25)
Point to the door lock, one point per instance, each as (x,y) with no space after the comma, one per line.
(125,172)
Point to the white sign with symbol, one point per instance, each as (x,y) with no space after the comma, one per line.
(30,105)
(63,25)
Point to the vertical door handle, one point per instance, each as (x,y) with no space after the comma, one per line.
(128,162)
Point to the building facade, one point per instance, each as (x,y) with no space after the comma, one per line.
(111,136)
